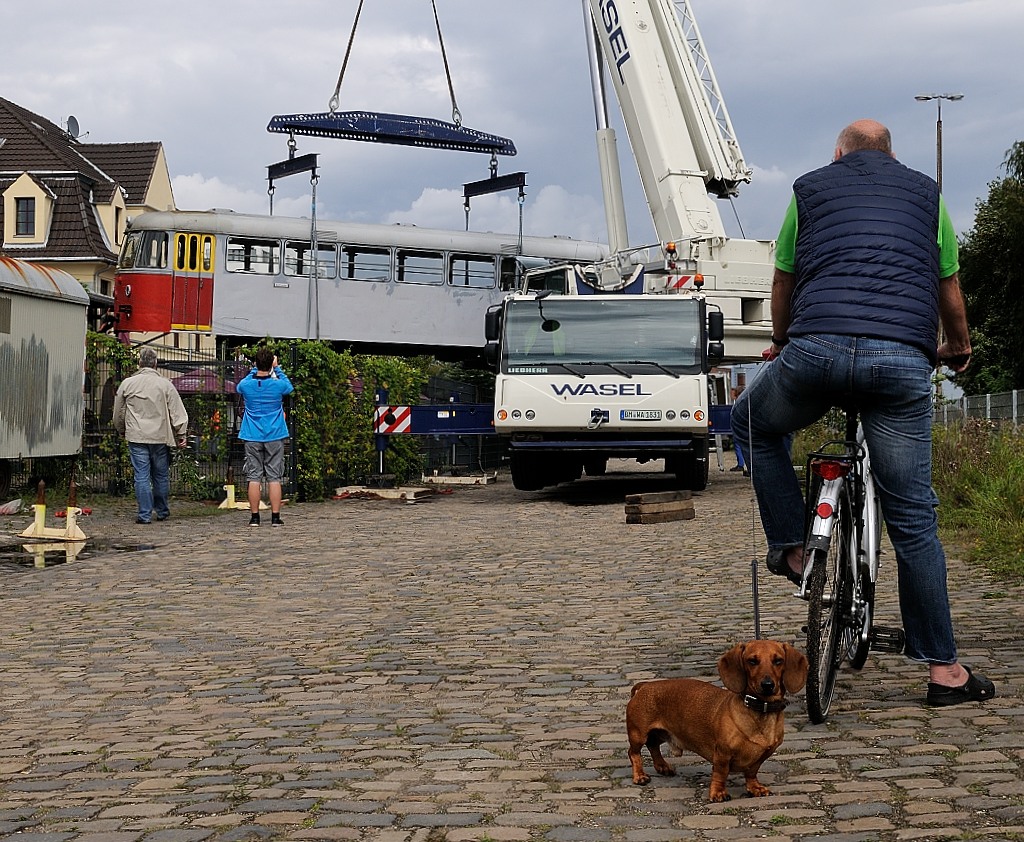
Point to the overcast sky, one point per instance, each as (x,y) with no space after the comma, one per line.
(204,78)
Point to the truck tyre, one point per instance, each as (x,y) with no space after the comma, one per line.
(690,468)
(595,466)
(527,472)
(570,469)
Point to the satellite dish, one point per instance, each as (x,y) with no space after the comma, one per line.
(73,127)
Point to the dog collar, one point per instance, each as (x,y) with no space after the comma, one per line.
(762,706)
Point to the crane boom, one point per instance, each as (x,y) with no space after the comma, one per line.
(677,122)
(687,155)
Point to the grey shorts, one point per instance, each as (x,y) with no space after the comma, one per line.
(264,458)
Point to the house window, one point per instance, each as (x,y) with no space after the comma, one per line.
(25,217)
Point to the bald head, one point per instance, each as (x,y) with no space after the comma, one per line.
(863,134)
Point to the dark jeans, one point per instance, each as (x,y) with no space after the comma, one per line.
(151,463)
(891,384)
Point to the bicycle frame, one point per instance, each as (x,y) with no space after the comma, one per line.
(843,540)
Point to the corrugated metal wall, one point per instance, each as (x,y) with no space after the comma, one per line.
(42,362)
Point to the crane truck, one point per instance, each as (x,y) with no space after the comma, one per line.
(612,359)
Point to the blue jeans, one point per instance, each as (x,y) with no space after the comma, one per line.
(151,463)
(891,385)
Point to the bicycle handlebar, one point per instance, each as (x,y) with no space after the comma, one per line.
(955,360)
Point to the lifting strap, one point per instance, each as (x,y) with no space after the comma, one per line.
(456,114)
(333,105)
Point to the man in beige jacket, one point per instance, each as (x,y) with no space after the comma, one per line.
(149,413)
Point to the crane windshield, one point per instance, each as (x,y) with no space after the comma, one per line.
(595,335)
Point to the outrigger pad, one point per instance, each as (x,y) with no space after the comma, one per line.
(391,128)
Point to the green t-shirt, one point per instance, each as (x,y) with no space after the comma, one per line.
(949,254)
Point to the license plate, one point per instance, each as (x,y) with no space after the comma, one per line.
(639,414)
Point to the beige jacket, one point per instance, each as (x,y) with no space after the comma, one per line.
(148,409)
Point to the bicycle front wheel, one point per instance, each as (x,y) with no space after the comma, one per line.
(830,597)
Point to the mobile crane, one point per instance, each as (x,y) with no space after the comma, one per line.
(612,359)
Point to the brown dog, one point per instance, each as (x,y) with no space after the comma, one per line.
(737,728)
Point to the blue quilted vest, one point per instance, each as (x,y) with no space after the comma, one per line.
(867,258)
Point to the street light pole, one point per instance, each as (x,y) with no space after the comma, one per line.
(938,128)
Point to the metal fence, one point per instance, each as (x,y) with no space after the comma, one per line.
(1000,407)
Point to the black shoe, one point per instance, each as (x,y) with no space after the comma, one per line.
(140,520)
(735,468)
(977,688)
(275,520)
(162,517)
(254,519)
(777,564)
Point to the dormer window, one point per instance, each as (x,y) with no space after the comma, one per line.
(25,217)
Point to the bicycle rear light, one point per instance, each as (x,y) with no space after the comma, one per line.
(829,469)
(824,510)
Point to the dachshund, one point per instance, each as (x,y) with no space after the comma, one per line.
(736,728)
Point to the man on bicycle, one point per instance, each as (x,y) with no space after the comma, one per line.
(866,269)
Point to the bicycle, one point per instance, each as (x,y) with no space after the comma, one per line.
(842,550)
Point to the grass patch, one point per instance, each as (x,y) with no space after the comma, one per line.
(978,473)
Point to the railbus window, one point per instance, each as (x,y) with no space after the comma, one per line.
(471,270)
(420,267)
(153,250)
(207,253)
(245,254)
(190,252)
(509,273)
(298,259)
(366,263)
(129,251)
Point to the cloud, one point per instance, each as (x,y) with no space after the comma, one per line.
(555,211)
(197,192)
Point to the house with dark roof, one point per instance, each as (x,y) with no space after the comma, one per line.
(65,203)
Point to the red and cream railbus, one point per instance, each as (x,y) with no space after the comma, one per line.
(376,288)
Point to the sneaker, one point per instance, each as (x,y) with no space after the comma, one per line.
(140,520)
(275,520)
(977,688)
(254,519)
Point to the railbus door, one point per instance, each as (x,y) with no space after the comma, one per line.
(192,287)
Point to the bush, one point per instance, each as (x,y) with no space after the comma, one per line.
(333,408)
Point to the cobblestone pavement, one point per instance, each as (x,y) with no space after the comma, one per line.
(456,669)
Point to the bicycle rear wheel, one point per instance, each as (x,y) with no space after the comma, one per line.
(830,599)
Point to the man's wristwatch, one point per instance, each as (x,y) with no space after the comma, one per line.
(779,343)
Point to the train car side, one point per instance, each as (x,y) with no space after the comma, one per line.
(390,287)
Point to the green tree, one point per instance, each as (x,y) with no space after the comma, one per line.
(992,277)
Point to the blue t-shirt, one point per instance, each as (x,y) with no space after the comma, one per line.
(264,409)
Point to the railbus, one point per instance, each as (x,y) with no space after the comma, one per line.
(376,288)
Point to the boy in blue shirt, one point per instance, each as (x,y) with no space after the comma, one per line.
(264,432)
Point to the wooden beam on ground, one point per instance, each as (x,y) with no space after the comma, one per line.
(660,507)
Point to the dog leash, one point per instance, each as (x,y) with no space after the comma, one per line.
(755,595)
(749,462)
